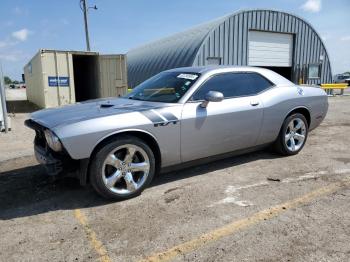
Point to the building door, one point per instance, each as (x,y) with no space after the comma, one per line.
(271,50)
(113,77)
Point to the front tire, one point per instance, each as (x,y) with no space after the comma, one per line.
(123,168)
(293,135)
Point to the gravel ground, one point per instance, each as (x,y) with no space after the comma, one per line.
(19,141)
(46,220)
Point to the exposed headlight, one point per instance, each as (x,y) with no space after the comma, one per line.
(53,141)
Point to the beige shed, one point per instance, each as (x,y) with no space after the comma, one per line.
(54,78)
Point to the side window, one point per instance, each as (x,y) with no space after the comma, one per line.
(234,85)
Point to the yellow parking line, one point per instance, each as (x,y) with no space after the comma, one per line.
(95,243)
(235,226)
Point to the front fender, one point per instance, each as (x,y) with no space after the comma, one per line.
(80,138)
(126,131)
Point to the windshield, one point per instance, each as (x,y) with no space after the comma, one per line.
(166,87)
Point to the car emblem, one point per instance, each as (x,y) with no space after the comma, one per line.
(300,91)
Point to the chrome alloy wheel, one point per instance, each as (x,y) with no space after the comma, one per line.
(125,169)
(295,134)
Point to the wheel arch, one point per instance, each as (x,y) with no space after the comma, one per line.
(145,136)
(301,110)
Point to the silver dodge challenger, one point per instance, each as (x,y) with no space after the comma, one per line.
(175,119)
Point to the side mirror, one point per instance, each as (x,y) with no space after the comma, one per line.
(212,96)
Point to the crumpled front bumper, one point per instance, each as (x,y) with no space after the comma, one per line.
(52,165)
(57,163)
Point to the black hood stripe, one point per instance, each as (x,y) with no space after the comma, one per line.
(153,117)
(156,118)
(169,116)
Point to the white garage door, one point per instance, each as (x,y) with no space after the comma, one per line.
(270,49)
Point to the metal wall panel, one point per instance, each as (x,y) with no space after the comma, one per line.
(112,75)
(33,73)
(48,64)
(307,44)
(227,38)
(106,77)
(174,51)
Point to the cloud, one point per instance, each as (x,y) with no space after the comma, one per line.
(17,10)
(9,57)
(312,6)
(44,22)
(49,34)
(7,43)
(13,56)
(3,44)
(6,24)
(22,34)
(64,21)
(345,38)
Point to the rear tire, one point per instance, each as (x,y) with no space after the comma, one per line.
(123,168)
(292,136)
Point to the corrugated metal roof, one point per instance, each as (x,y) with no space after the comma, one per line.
(227,38)
(174,51)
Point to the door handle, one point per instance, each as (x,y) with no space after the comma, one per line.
(254,103)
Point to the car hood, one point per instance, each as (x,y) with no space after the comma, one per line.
(64,115)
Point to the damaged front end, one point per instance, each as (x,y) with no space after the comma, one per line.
(56,163)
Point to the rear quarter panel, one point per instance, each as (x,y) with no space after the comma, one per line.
(317,101)
(280,101)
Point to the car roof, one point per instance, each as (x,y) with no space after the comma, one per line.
(277,79)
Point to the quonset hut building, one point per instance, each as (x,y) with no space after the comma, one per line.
(280,41)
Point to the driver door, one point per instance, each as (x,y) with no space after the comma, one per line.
(225,126)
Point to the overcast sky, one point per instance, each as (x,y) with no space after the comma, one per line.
(117,26)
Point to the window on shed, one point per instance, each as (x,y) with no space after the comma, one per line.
(214,60)
(234,85)
(314,71)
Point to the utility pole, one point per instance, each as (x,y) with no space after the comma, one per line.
(3,99)
(85,10)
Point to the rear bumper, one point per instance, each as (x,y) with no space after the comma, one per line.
(318,117)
